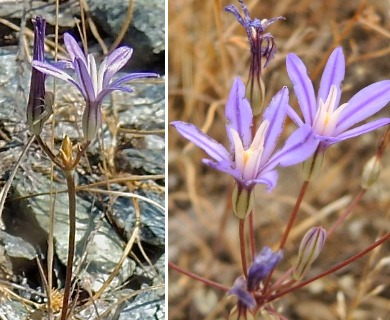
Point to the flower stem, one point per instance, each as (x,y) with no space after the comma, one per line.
(293,214)
(242,246)
(252,235)
(71,241)
(196,277)
(346,212)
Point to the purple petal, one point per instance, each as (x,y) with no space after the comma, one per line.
(74,49)
(364,104)
(262,265)
(238,114)
(244,297)
(132,76)
(213,148)
(269,179)
(276,114)
(298,147)
(333,74)
(114,62)
(225,166)
(85,80)
(39,38)
(363,129)
(234,10)
(102,94)
(53,71)
(63,64)
(303,87)
(294,116)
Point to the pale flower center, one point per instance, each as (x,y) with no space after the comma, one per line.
(328,114)
(248,161)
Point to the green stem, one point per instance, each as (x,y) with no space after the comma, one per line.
(71,241)
(242,246)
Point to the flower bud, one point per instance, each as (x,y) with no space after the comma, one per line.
(371,172)
(66,151)
(242,201)
(39,101)
(309,249)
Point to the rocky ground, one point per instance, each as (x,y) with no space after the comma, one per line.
(120,182)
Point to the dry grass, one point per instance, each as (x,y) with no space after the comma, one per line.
(111,174)
(207,48)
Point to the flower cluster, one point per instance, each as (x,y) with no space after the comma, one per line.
(94,82)
(253,157)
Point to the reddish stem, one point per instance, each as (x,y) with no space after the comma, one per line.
(332,270)
(293,214)
(196,277)
(252,235)
(347,211)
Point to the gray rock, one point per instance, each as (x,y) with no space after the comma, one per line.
(99,245)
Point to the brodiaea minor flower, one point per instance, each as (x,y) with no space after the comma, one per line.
(262,45)
(330,121)
(94,82)
(252,161)
(39,106)
(243,289)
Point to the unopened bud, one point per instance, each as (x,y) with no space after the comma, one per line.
(66,151)
(371,172)
(39,107)
(242,201)
(309,249)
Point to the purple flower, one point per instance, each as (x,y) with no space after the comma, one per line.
(262,45)
(262,265)
(252,161)
(94,83)
(330,122)
(255,31)
(37,111)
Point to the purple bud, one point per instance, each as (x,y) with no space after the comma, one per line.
(263,264)
(39,103)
